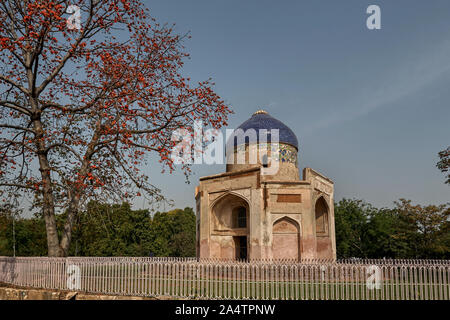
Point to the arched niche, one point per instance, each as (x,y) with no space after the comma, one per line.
(229,227)
(322,217)
(286,239)
(230,212)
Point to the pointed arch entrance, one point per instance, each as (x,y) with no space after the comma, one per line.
(286,239)
(229,228)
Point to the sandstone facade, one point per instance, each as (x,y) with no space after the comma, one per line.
(246,214)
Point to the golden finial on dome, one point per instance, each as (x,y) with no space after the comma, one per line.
(260,111)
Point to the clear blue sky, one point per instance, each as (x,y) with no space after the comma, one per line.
(370,107)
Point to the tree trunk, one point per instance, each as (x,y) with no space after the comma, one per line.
(75,195)
(48,205)
(68,226)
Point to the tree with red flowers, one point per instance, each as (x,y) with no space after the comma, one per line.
(88,89)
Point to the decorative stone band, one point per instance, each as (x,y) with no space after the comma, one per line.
(287,152)
(323,186)
(289,198)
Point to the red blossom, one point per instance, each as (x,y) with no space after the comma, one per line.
(82,110)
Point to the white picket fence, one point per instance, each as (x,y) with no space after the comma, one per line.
(353,279)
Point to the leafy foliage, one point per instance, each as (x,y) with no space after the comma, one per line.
(407,231)
(426,228)
(108,230)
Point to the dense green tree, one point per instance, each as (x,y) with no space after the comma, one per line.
(6,246)
(383,236)
(30,239)
(106,230)
(407,231)
(112,230)
(176,228)
(117,230)
(426,228)
(351,222)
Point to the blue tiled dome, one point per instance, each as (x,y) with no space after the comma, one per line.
(262,120)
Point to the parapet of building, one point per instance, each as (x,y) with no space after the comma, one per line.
(245,214)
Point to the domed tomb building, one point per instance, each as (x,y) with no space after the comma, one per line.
(252,211)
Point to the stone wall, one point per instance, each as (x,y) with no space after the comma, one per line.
(16,293)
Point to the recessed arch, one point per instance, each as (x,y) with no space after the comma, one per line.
(321,217)
(289,219)
(225,210)
(286,239)
(230,220)
(215,201)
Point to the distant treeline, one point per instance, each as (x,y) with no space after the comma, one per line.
(406,231)
(108,230)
